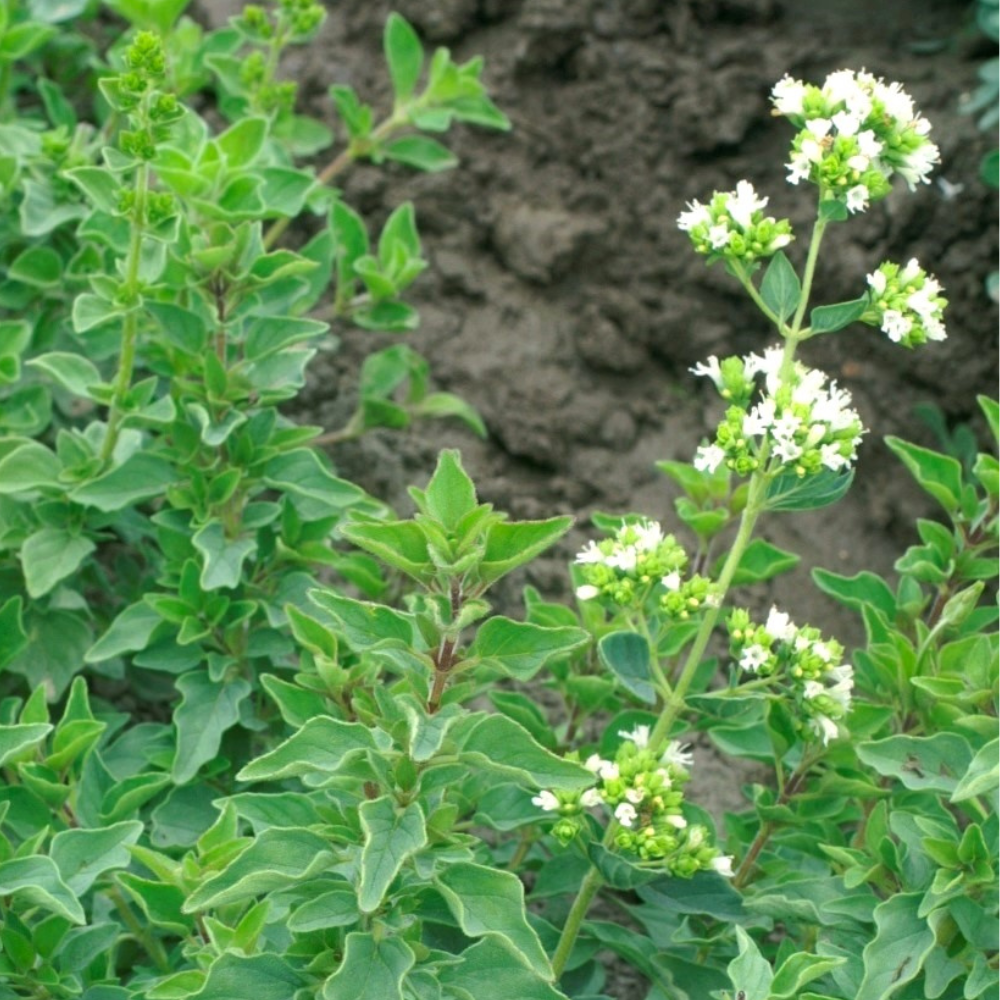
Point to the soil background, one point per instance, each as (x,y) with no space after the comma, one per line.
(563,303)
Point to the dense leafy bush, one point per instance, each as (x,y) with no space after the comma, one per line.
(263,737)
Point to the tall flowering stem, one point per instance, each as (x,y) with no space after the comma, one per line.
(675,704)
(756,499)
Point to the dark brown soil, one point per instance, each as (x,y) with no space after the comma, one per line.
(565,305)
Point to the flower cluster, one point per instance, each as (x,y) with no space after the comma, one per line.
(637,560)
(906,304)
(806,421)
(799,660)
(643,791)
(733,225)
(856,131)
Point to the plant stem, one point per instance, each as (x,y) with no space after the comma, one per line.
(130,324)
(756,502)
(152,945)
(336,167)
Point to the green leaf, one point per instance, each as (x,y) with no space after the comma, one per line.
(617,870)
(749,972)
(446,404)
(28,467)
(404,54)
(896,954)
(139,477)
(207,709)
(12,636)
(509,545)
(100,185)
(939,475)
(450,494)
(92,310)
(73,372)
(420,152)
(780,288)
(400,544)
(297,704)
(16,740)
(789,492)
(241,143)
(488,901)
(370,969)
(57,640)
(323,745)
(40,266)
(316,491)
(486,971)
(84,855)
(130,632)
(762,561)
(274,860)
(270,334)
(238,977)
(49,556)
(626,654)
(37,881)
(706,893)
(799,969)
(920,762)
(857,592)
(833,211)
(521,649)
(982,776)
(223,558)
(126,797)
(991,410)
(828,319)
(391,836)
(365,624)
(23,39)
(336,908)
(501,745)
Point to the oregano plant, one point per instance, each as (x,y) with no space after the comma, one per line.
(263,736)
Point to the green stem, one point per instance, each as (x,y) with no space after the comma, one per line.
(152,945)
(130,324)
(337,166)
(756,502)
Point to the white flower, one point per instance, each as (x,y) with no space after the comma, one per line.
(723,864)
(911,272)
(625,814)
(798,168)
(711,369)
(546,800)
(590,554)
(635,795)
(708,458)
(846,123)
(696,215)
(868,145)
(624,558)
(823,727)
(718,236)
(787,95)
(587,592)
(877,282)
(596,763)
(897,102)
(696,837)
(780,626)
(590,798)
(918,163)
(895,325)
(744,203)
(677,822)
(677,754)
(649,534)
(639,736)
(754,657)
(857,198)
(787,451)
(831,458)
(609,771)
(672,581)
